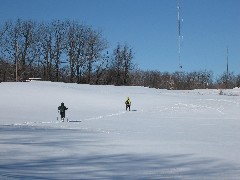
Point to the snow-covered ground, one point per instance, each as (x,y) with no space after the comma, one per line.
(167,135)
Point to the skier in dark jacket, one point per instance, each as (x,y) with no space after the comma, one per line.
(62,110)
(128,104)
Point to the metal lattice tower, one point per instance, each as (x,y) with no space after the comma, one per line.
(179,35)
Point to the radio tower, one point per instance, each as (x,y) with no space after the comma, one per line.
(179,36)
(227,61)
(227,70)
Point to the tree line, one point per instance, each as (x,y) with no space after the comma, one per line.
(184,81)
(61,51)
(67,51)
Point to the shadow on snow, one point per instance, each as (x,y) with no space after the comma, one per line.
(101,165)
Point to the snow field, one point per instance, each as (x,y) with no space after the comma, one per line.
(168,135)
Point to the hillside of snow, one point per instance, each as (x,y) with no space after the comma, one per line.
(167,135)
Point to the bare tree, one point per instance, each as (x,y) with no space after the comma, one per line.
(45,57)
(227,80)
(58,45)
(127,55)
(26,47)
(71,48)
(50,48)
(117,64)
(80,52)
(122,64)
(9,42)
(101,68)
(95,45)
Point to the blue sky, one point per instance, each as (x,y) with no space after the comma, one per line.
(150,28)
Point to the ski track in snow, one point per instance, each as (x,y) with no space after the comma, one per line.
(182,107)
(196,107)
(105,116)
(80,121)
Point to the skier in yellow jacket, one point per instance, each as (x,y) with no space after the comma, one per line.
(128,104)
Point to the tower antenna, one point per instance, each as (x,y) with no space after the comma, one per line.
(227,60)
(179,36)
(227,69)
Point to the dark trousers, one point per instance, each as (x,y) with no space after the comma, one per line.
(127,106)
(62,115)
